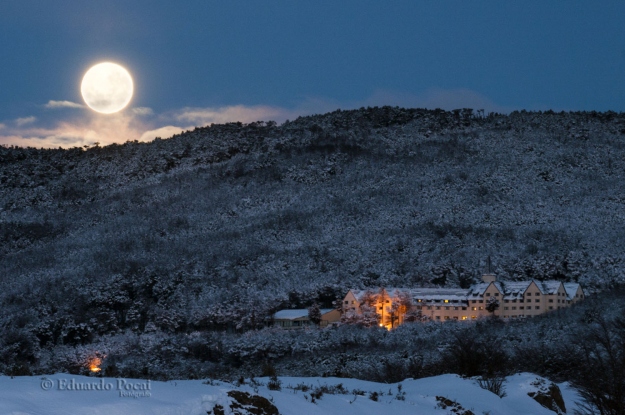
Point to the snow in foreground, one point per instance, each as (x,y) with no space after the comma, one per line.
(58,394)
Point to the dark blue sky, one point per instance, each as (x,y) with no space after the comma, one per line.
(196,62)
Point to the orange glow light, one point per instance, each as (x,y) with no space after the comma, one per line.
(94,364)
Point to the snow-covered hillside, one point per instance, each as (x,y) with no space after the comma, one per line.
(436,396)
(170,257)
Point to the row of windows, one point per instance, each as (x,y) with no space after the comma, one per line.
(529,307)
(482,301)
(527,294)
(475,317)
(455,318)
(422,300)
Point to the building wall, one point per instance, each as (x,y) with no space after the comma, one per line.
(330,317)
(531,303)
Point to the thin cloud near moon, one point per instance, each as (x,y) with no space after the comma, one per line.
(62,104)
(143,124)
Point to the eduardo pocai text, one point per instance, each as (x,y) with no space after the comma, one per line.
(125,388)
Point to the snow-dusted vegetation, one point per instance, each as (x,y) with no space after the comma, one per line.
(168,257)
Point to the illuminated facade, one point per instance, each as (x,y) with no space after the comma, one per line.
(508,300)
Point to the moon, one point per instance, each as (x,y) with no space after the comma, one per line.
(107,88)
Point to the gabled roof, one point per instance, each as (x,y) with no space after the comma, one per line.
(359,294)
(548,287)
(515,289)
(297,313)
(571,289)
(480,288)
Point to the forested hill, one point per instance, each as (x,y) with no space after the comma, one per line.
(223,225)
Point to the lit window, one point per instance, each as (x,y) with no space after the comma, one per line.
(446,301)
(464,317)
(474,308)
(481,308)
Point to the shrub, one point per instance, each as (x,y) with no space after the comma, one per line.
(274,383)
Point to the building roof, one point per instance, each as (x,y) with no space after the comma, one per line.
(480,288)
(511,290)
(359,294)
(548,287)
(297,313)
(515,289)
(571,289)
(452,294)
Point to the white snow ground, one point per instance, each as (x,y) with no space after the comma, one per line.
(28,396)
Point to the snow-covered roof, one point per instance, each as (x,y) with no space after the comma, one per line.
(511,290)
(297,313)
(548,287)
(571,289)
(359,294)
(430,294)
(480,288)
(515,289)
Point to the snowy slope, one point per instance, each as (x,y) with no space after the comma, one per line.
(26,396)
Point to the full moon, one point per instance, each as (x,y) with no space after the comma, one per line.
(107,88)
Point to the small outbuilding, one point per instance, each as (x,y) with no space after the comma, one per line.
(298,318)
